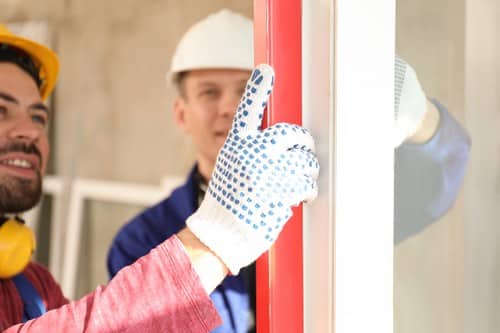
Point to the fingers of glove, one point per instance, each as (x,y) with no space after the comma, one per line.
(284,136)
(297,162)
(312,190)
(298,177)
(250,111)
(300,189)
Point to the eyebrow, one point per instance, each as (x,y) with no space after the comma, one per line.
(40,107)
(36,106)
(8,98)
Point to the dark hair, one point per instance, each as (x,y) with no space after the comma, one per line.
(178,80)
(17,56)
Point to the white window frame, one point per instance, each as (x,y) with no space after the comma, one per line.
(363,176)
(103,191)
(355,256)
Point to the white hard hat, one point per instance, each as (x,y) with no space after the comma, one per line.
(221,40)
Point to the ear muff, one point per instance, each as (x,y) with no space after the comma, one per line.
(17,244)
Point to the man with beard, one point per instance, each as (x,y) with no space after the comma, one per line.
(166,291)
(209,69)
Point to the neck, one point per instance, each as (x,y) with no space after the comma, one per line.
(205,168)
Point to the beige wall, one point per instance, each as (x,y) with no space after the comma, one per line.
(429,268)
(482,227)
(112,98)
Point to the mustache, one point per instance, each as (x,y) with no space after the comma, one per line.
(20,147)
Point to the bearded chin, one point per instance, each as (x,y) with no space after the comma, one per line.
(18,195)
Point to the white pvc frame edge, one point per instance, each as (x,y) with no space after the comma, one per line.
(317,115)
(87,189)
(363,194)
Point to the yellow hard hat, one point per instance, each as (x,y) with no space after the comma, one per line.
(43,57)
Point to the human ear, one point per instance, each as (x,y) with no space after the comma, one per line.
(180,114)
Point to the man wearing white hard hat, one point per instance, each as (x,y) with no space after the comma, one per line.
(210,66)
(166,290)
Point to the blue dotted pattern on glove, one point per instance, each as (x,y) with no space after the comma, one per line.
(259,175)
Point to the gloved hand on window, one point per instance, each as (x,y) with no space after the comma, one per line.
(259,175)
(409,102)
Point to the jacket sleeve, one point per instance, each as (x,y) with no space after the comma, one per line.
(161,292)
(428,176)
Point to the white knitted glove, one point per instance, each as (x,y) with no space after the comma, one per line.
(409,102)
(258,176)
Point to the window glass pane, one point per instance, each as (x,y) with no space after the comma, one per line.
(446,266)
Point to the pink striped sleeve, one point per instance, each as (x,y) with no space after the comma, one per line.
(159,293)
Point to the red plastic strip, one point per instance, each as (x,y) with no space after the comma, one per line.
(277,28)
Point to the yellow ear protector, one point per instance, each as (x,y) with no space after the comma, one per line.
(17,244)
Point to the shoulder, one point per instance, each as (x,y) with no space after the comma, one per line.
(162,219)
(155,220)
(152,226)
(38,273)
(155,224)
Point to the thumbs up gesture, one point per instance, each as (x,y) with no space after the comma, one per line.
(259,175)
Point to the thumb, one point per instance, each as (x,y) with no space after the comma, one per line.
(250,111)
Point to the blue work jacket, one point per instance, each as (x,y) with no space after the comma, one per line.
(428,176)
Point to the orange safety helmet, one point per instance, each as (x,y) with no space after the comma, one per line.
(44,58)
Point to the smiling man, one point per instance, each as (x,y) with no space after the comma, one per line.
(27,75)
(24,151)
(23,143)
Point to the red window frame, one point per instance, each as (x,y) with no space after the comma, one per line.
(277,27)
